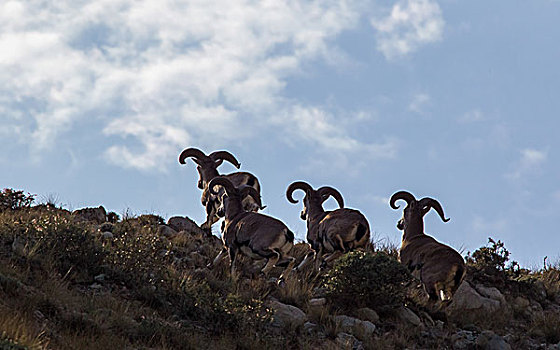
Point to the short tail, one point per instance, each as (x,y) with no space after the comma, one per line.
(289,236)
(360,232)
(459,275)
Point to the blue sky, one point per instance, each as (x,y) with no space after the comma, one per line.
(448,99)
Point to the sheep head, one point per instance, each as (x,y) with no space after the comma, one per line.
(413,213)
(207,165)
(232,194)
(313,199)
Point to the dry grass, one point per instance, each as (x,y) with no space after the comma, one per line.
(20,332)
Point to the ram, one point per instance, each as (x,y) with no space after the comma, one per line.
(256,235)
(440,268)
(207,166)
(329,232)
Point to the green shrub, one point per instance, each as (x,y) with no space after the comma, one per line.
(361,279)
(493,258)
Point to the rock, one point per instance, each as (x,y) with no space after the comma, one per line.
(166,231)
(96,286)
(106,227)
(408,316)
(522,306)
(98,215)
(348,341)
(540,289)
(492,293)
(467,304)
(354,326)
(19,246)
(287,316)
(317,302)
(180,223)
(100,278)
(463,340)
(310,328)
(521,303)
(488,340)
(428,320)
(367,314)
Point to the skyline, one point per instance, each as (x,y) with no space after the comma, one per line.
(450,100)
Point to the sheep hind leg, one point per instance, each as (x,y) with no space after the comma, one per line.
(311,255)
(271,262)
(333,256)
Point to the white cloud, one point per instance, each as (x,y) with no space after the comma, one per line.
(162,75)
(319,127)
(419,103)
(411,24)
(471,117)
(489,226)
(530,161)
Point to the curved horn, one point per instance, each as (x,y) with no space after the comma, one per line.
(327,191)
(250,191)
(405,196)
(298,185)
(224,155)
(432,203)
(222,181)
(191,152)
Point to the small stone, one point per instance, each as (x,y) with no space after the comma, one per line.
(96,286)
(106,226)
(348,341)
(316,302)
(100,278)
(107,235)
(488,340)
(354,326)
(310,328)
(463,340)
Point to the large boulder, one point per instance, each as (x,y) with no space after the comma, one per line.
(469,306)
(408,316)
(367,314)
(97,215)
(183,223)
(287,316)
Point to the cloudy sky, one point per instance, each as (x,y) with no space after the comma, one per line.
(449,99)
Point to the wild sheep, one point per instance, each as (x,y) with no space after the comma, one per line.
(440,268)
(207,166)
(256,235)
(333,232)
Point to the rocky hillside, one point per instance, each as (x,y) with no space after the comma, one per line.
(93,280)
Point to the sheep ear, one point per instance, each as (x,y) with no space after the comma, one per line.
(425,210)
(218,162)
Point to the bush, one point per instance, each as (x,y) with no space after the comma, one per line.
(361,279)
(493,258)
(12,200)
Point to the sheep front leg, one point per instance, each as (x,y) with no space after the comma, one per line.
(232,255)
(218,258)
